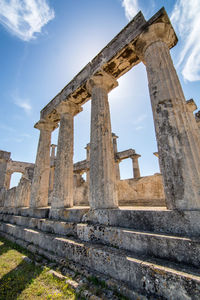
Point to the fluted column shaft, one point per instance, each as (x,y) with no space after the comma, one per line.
(40,183)
(102,178)
(177,138)
(63,176)
(136,169)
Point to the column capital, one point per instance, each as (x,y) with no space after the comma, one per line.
(114,136)
(68,107)
(101,79)
(191,105)
(156,32)
(87,146)
(134,156)
(47,125)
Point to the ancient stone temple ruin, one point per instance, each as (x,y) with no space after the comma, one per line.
(143,232)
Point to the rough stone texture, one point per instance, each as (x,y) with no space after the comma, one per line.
(102,178)
(63,182)
(40,183)
(176,129)
(4,158)
(144,191)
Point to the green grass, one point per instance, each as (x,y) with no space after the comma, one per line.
(23,280)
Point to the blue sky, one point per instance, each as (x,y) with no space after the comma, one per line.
(44,44)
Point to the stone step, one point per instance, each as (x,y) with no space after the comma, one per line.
(151,276)
(175,248)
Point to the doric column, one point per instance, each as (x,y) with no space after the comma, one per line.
(117,161)
(40,183)
(136,169)
(176,129)
(53,151)
(63,177)
(88,163)
(102,178)
(52,167)
(4,158)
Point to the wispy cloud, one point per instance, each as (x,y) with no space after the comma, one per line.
(23,103)
(131,8)
(25,18)
(186,20)
(140,119)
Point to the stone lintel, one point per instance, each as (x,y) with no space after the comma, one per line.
(81,166)
(191,105)
(124,154)
(116,58)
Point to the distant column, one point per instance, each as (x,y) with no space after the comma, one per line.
(176,130)
(88,163)
(114,138)
(4,158)
(63,177)
(52,166)
(136,169)
(40,183)
(102,178)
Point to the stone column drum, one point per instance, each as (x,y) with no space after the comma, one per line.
(102,165)
(176,132)
(40,183)
(4,158)
(63,177)
(136,169)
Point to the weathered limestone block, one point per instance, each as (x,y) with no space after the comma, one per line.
(63,177)
(40,184)
(23,192)
(4,158)
(102,178)
(176,129)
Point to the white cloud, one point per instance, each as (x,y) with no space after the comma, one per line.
(24,104)
(131,8)
(139,119)
(24,18)
(186,20)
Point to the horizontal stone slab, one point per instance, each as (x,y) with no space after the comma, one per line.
(151,277)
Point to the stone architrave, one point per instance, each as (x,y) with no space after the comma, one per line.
(63,176)
(4,158)
(117,161)
(102,166)
(40,183)
(176,130)
(136,169)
